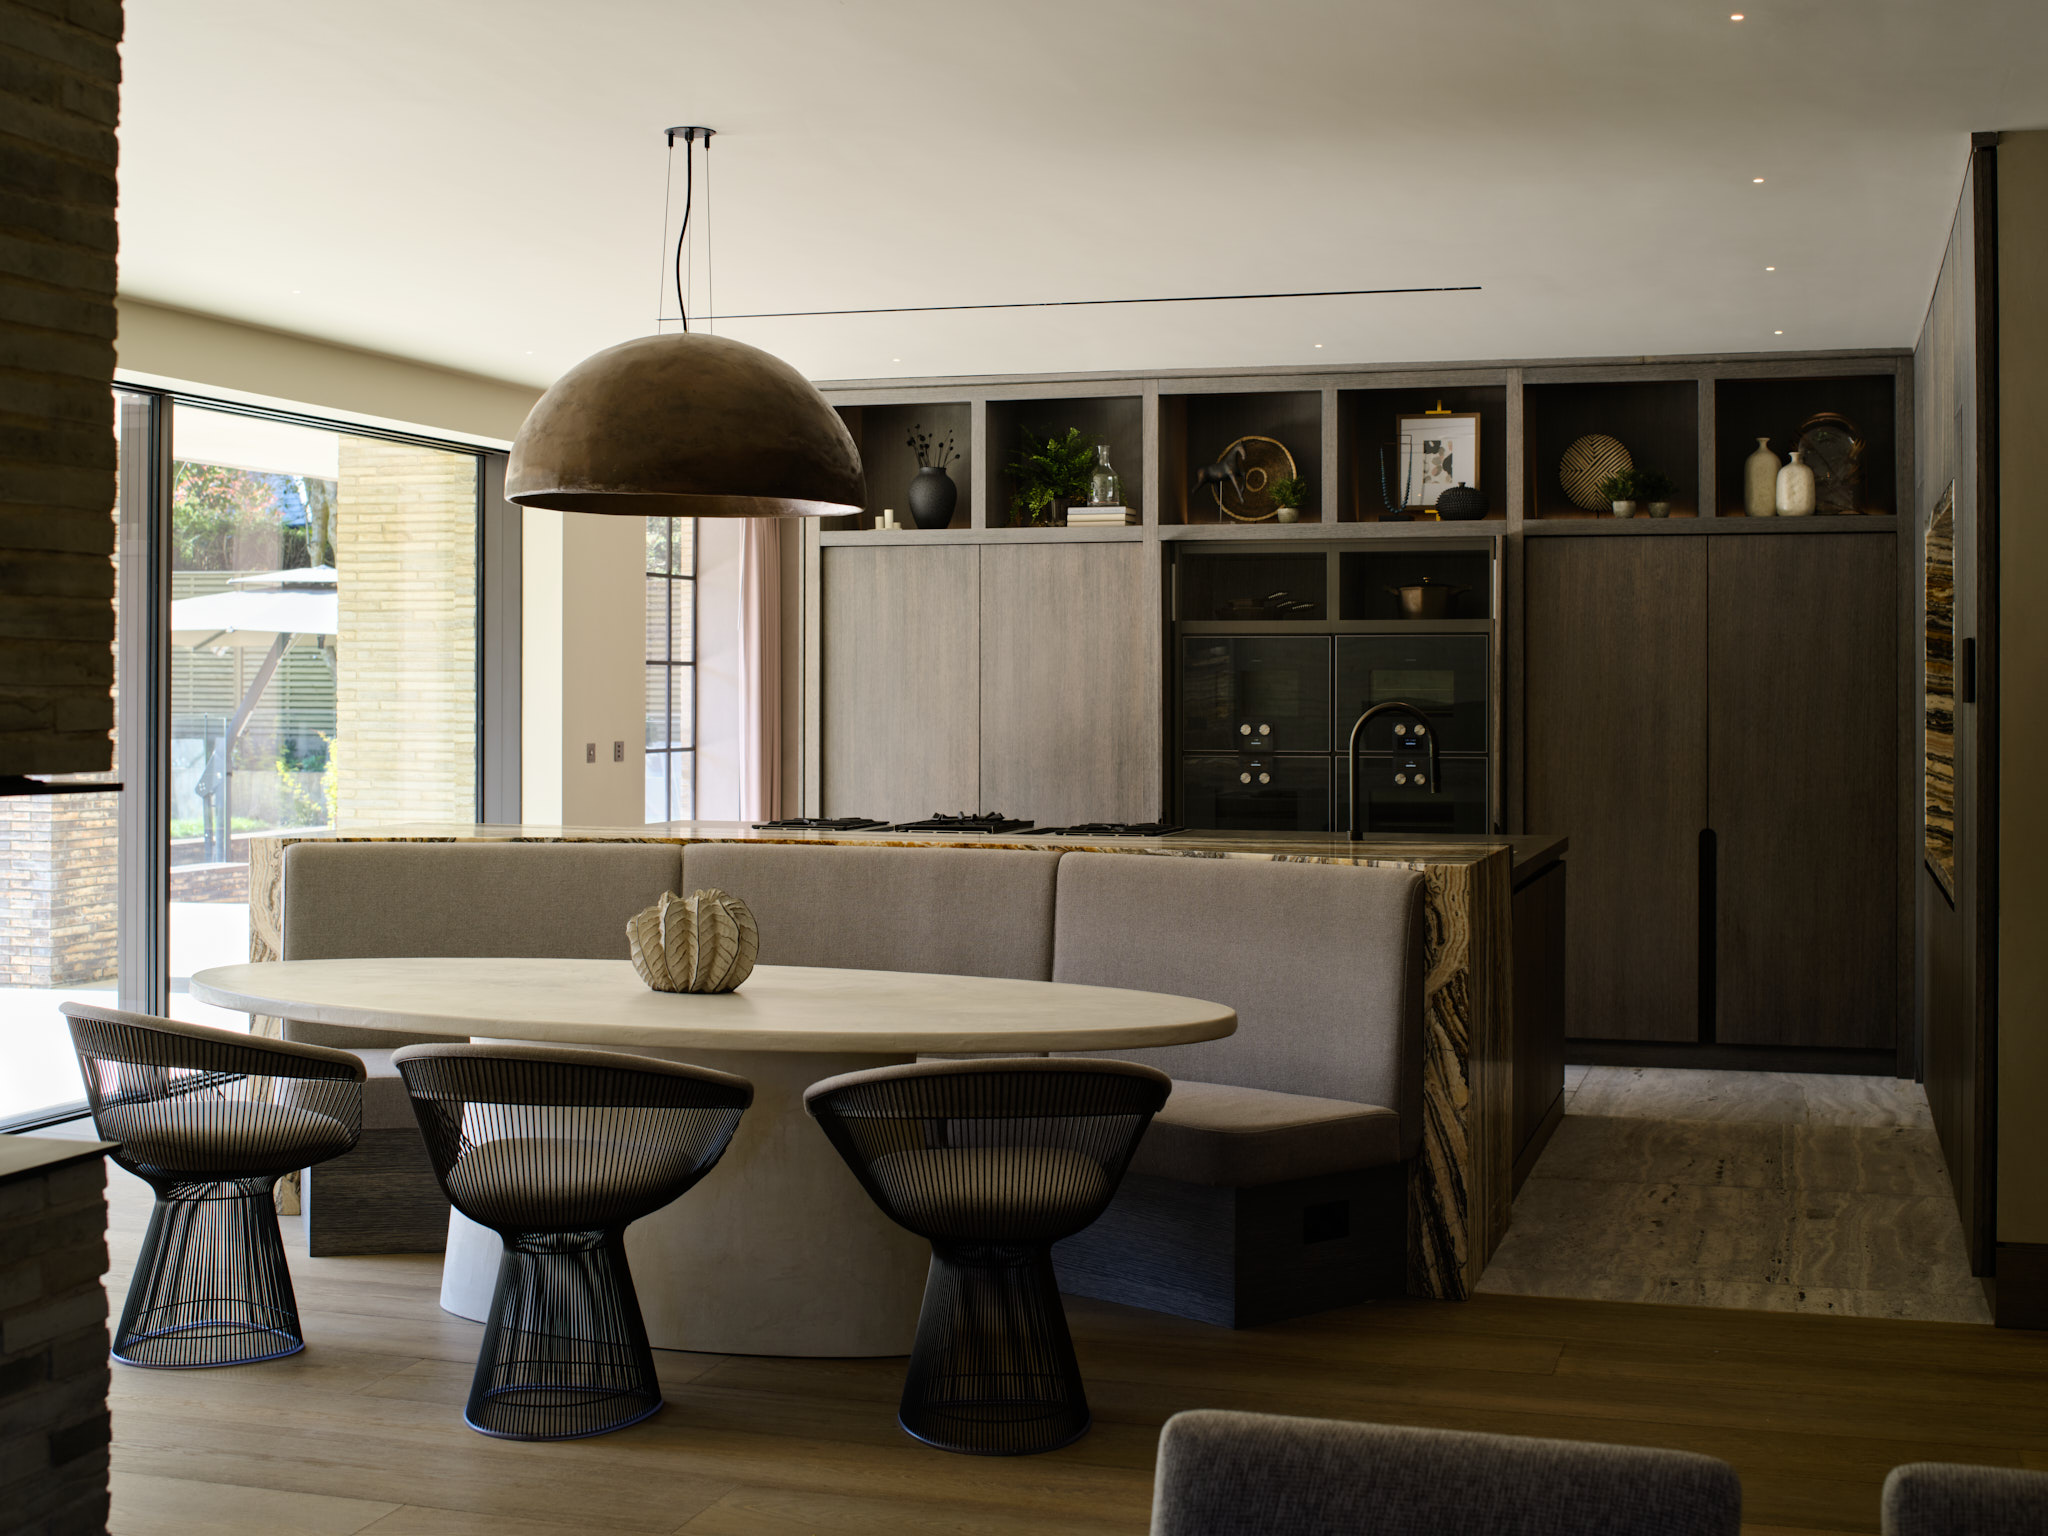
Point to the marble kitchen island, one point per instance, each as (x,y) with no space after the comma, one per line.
(1492,1065)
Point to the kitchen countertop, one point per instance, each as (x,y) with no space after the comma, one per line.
(1531,851)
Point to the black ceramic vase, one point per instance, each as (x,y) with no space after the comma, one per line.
(932,497)
(1460,504)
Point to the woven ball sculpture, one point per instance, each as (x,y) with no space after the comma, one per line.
(705,942)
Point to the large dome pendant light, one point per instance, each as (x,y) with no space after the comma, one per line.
(686,424)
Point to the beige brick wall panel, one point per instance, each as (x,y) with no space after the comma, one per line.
(25,528)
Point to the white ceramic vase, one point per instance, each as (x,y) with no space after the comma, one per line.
(1795,488)
(1760,481)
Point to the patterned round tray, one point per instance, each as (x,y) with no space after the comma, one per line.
(1586,463)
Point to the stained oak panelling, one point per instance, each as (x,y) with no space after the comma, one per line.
(1616,640)
(902,664)
(1069,684)
(1803,784)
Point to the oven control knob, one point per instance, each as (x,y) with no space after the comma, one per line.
(1400,778)
(1422,730)
(1265,730)
(1244,730)
(1265,778)
(1244,778)
(1419,781)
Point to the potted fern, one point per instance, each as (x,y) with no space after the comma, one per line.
(1655,488)
(1287,494)
(1049,473)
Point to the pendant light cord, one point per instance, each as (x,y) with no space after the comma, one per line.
(683,234)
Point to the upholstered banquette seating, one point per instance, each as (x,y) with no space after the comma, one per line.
(1272,1184)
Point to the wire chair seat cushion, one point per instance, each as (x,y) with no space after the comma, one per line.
(204,1135)
(567,1183)
(992,1194)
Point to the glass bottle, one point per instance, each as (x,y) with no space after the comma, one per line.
(1105,486)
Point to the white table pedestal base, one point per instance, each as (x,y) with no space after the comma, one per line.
(779,1251)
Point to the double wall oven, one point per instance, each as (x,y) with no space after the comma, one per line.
(1278,652)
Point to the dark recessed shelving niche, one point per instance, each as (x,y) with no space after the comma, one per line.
(1195,429)
(1747,409)
(1367,422)
(1114,419)
(1657,420)
(880,433)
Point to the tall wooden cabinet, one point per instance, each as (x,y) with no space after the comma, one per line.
(1715,721)
(1021,678)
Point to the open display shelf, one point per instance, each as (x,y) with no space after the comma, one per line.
(1778,408)
(880,432)
(1194,429)
(1657,420)
(1117,420)
(1368,427)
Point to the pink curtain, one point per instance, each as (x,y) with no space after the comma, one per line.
(760,670)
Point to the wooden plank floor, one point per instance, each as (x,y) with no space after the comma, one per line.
(363,1431)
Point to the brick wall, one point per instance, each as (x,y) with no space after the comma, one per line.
(53,1350)
(60,75)
(57,889)
(405,692)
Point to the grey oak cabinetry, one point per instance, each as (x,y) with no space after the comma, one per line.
(902,671)
(1021,678)
(1069,684)
(1745,689)
(1803,789)
(1615,641)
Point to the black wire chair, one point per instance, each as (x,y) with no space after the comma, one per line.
(211,1119)
(992,1161)
(557,1151)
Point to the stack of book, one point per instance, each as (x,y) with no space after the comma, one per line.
(1102,517)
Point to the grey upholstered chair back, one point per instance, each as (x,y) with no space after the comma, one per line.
(962,911)
(1323,964)
(1226,1474)
(1933,1498)
(374,900)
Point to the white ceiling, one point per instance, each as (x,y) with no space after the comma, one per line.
(480,185)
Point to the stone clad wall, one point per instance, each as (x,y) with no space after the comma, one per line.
(405,695)
(57,243)
(53,1348)
(57,889)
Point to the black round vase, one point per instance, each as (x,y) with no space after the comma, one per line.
(1460,504)
(932,497)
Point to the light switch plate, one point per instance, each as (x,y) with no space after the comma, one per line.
(618,751)
(590,752)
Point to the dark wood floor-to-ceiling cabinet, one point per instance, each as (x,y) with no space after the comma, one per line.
(1616,638)
(1715,720)
(1802,775)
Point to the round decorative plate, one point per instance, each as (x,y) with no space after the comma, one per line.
(1586,463)
(1833,448)
(1264,460)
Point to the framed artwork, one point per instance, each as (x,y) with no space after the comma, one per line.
(1437,452)
(1938,695)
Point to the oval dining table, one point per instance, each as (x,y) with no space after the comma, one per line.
(779,1251)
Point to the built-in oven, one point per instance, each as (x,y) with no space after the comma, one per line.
(1255,693)
(1256,792)
(1444,676)
(1396,795)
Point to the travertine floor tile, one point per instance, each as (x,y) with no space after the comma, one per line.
(1666,1152)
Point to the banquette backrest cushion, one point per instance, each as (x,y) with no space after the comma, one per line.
(374,900)
(964,912)
(1323,964)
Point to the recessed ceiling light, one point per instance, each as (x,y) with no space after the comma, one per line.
(1770,269)
(1777,333)
(1736,17)
(895,359)
(1757,180)
(1319,346)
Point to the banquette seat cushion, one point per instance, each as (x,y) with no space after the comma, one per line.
(978,912)
(1324,966)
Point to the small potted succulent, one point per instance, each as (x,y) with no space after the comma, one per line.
(1288,493)
(1655,488)
(1619,491)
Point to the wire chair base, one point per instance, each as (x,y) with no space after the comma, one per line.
(211,1286)
(565,1353)
(993,1371)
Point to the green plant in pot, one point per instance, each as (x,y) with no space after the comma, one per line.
(1619,491)
(1047,474)
(1655,488)
(1288,493)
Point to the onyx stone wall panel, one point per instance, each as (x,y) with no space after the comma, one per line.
(1069,684)
(902,680)
(1803,784)
(1615,632)
(57,245)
